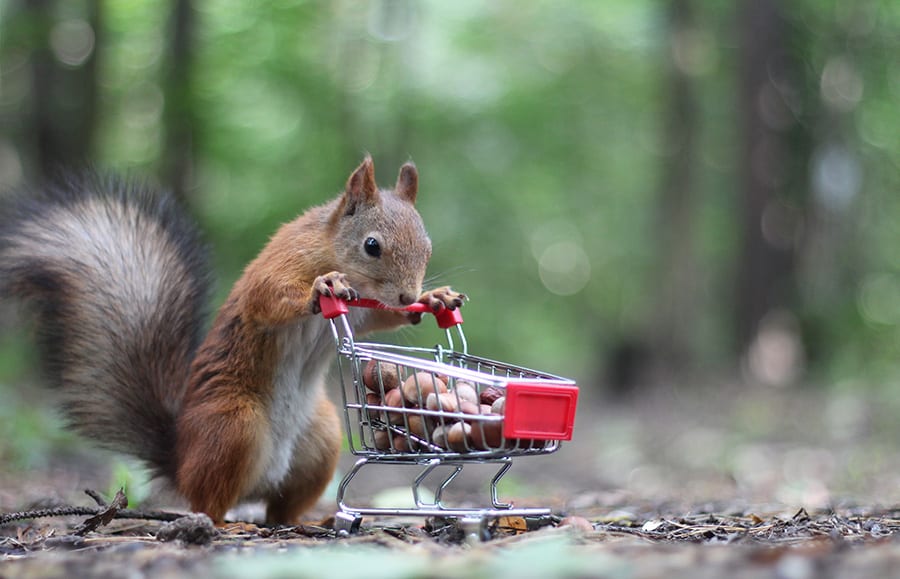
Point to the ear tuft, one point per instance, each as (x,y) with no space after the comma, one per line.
(408,182)
(361,187)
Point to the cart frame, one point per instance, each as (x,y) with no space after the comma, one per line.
(539,414)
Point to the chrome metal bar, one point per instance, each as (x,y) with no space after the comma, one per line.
(447,512)
(494,500)
(432,464)
(345,482)
(437,508)
(440,490)
(462,339)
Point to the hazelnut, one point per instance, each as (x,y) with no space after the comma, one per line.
(394,399)
(372,399)
(401,443)
(491,393)
(381,439)
(468,407)
(417,387)
(487,435)
(466,391)
(418,425)
(387,372)
(453,436)
(445,401)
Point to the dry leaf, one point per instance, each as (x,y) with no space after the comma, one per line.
(517,524)
(120,501)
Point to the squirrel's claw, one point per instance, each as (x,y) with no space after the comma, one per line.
(332,284)
(443,297)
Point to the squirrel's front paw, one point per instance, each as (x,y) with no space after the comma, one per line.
(443,297)
(331,284)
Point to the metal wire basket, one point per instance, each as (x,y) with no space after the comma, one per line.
(441,406)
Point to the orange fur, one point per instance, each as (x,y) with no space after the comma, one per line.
(221,428)
(118,277)
(223,431)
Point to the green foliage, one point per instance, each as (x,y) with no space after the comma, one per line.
(539,132)
(29,431)
(131,477)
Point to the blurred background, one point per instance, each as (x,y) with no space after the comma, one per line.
(689,207)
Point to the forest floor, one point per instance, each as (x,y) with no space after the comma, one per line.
(733,482)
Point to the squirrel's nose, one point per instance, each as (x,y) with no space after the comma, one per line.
(407,299)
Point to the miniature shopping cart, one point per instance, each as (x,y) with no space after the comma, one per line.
(441,407)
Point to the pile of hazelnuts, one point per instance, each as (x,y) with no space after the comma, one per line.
(429,391)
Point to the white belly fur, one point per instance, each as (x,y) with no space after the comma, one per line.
(305,351)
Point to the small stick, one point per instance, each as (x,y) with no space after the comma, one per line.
(103,508)
(68,511)
(101,502)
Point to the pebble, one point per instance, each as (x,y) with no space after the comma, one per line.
(576,522)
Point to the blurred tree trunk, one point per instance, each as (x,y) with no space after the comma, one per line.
(178,155)
(675,303)
(64,85)
(388,139)
(662,349)
(767,219)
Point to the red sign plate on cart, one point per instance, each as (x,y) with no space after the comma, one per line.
(540,411)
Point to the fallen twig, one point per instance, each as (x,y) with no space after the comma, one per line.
(104,509)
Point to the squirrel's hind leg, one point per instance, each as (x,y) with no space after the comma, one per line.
(315,460)
(220,455)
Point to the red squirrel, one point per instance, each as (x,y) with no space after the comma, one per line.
(119,278)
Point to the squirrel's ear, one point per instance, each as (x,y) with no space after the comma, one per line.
(361,187)
(408,182)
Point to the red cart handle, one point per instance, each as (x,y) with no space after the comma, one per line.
(333,307)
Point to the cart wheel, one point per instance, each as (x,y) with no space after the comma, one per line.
(346,524)
(474,529)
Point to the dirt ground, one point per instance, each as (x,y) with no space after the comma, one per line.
(730,482)
(828,544)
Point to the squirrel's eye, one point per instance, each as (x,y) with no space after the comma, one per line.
(372,246)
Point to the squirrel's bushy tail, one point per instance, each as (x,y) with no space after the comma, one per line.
(118,278)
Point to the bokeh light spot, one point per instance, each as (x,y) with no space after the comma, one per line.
(72,41)
(564,268)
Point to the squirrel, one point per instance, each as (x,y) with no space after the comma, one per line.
(118,277)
